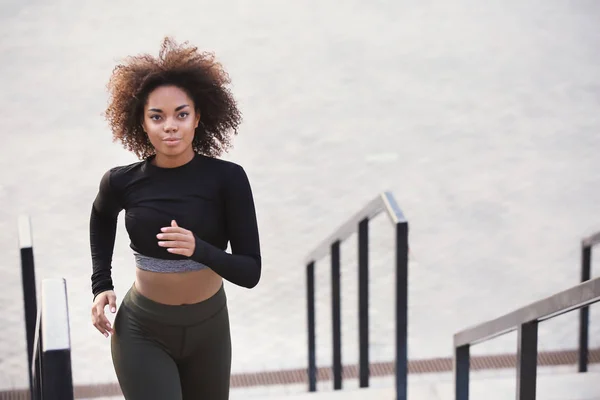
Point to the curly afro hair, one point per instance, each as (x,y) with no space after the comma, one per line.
(197,73)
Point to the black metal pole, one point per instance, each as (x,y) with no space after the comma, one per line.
(29,290)
(336,315)
(363,302)
(310,307)
(462,364)
(584,312)
(527,361)
(57,375)
(36,392)
(401,310)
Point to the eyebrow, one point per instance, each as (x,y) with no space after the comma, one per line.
(177,109)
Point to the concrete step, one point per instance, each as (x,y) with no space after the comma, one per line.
(554,383)
(550,386)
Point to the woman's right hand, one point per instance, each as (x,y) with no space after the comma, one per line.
(98,318)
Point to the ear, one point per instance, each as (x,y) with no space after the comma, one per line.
(197,119)
(143,124)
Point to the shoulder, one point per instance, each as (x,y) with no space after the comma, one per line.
(232,175)
(226,168)
(119,175)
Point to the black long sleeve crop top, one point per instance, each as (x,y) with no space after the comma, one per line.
(208,196)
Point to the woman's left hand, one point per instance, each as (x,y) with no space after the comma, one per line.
(177,240)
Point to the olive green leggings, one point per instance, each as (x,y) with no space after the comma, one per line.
(164,352)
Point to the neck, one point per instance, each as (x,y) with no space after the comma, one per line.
(168,161)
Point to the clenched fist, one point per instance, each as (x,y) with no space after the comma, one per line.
(177,240)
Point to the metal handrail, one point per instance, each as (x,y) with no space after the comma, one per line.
(51,361)
(47,327)
(331,245)
(591,240)
(525,320)
(29,285)
(584,313)
(383,202)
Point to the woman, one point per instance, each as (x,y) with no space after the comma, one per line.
(171,338)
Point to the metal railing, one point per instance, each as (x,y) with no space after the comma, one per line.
(29,288)
(51,362)
(584,313)
(331,245)
(47,328)
(525,320)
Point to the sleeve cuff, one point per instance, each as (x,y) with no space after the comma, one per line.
(199,254)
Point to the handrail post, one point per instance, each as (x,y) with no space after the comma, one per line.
(527,361)
(462,365)
(525,320)
(29,289)
(384,202)
(363,302)
(336,315)
(56,371)
(584,312)
(310,295)
(401,309)
(36,364)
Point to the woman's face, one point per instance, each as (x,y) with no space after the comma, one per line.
(170,120)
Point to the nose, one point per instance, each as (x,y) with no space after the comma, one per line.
(170,126)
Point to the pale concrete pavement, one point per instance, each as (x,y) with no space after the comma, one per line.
(481,117)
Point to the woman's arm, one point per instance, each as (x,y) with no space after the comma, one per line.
(243,266)
(103,230)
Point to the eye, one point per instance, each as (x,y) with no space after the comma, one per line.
(155,117)
(184,114)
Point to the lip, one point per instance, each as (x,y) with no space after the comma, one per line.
(171,141)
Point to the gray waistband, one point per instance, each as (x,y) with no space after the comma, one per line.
(159,265)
